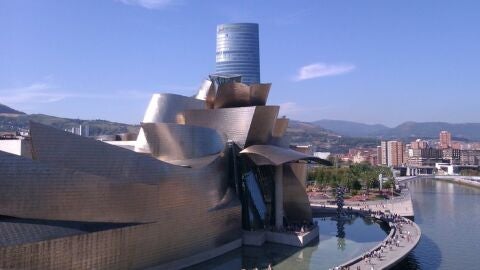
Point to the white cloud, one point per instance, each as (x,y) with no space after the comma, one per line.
(322,70)
(45,92)
(288,108)
(149,4)
(39,92)
(294,110)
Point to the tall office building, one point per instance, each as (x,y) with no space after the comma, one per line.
(238,51)
(445,139)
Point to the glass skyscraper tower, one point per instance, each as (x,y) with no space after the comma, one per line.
(238,51)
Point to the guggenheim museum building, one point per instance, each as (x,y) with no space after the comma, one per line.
(206,174)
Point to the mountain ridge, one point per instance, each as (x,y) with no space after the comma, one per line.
(408,129)
(4,109)
(325,135)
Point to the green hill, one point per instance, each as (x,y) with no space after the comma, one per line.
(7,110)
(9,123)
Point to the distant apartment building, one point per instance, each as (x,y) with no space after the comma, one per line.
(379,155)
(445,139)
(81,130)
(425,157)
(419,144)
(395,151)
(458,145)
(383,153)
(451,155)
(363,155)
(470,157)
(322,155)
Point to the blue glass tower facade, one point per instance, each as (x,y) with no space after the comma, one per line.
(238,51)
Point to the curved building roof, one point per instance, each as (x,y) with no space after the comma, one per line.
(274,155)
(169,141)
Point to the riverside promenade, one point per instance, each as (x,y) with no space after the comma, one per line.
(403,238)
(401,205)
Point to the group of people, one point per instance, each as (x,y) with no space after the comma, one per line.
(397,223)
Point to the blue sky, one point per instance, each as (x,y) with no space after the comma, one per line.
(368,61)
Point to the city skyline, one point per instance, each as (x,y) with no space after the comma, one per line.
(331,62)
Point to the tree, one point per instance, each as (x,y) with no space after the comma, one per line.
(388,184)
(356,185)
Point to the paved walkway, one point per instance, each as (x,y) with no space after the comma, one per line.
(402,208)
(403,237)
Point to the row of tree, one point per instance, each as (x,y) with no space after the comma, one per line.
(353,177)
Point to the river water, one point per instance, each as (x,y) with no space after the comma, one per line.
(449,216)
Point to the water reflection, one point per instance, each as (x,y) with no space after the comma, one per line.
(340,240)
(412,262)
(341,234)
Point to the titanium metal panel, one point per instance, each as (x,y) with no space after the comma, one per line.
(295,199)
(66,150)
(166,108)
(186,202)
(274,155)
(196,162)
(205,90)
(235,94)
(260,131)
(259,93)
(280,127)
(133,247)
(18,233)
(174,184)
(178,142)
(244,125)
(30,189)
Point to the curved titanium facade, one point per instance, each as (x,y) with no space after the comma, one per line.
(241,95)
(178,142)
(245,125)
(295,200)
(165,108)
(83,180)
(238,51)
